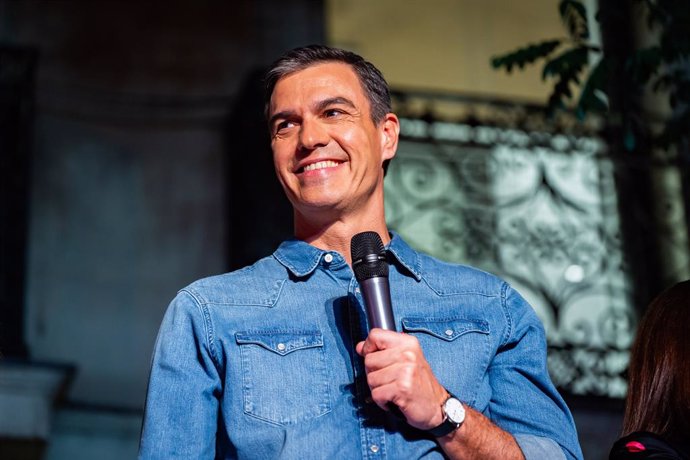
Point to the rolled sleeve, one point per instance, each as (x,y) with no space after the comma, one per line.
(539,448)
(524,401)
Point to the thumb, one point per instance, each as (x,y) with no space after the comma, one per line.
(379,339)
(360,348)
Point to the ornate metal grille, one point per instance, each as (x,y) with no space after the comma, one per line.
(537,208)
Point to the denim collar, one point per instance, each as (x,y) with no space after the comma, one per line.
(405,255)
(301,258)
(298,256)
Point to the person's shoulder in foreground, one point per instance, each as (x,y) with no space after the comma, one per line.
(643,445)
(657,415)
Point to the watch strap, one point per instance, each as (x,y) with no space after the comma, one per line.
(447,426)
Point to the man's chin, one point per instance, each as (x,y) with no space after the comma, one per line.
(318,209)
(318,206)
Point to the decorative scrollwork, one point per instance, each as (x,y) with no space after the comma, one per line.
(537,208)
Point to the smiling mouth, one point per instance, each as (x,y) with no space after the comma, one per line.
(319,165)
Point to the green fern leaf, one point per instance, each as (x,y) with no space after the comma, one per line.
(561,90)
(526,55)
(574,16)
(561,65)
(593,96)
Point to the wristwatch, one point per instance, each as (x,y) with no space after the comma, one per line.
(453,416)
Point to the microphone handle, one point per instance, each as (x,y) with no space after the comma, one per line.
(377,300)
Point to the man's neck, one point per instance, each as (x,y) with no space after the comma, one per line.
(335,235)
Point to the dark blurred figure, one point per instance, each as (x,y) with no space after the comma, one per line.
(657,412)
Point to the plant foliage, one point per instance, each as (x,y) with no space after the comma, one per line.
(526,55)
(663,67)
(574,16)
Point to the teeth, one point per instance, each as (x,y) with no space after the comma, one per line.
(320,165)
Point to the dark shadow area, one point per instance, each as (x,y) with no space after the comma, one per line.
(17,74)
(260,215)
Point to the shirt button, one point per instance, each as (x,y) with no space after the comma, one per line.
(281,346)
(374,448)
(328,258)
(449,332)
(357,291)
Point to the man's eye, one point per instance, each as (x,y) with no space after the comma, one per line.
(283,125)
(332,113)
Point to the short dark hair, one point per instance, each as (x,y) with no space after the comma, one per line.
(372,81)
(659,374)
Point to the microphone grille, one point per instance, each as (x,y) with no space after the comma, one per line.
(368,256)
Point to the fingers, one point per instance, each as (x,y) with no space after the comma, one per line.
(397,372)
(384,395)
(392,363)
(389,358)
(401,375)
(391,351)
(360,348)
(380,339)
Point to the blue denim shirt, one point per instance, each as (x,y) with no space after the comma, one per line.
(260,363)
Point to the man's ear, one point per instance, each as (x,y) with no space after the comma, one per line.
(390,131)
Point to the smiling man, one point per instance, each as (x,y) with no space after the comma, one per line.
(328,152)
(274,360)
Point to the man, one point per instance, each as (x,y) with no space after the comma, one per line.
(274,360)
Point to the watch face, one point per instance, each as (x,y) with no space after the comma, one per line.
(454,410)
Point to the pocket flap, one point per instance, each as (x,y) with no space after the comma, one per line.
(447,329)
(281,342)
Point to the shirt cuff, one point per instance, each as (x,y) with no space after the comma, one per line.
(538,448)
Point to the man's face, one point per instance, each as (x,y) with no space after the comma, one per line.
(327,151)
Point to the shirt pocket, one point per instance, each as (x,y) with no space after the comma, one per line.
(457,349)
(284,378)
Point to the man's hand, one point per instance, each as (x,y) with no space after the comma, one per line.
(397,372)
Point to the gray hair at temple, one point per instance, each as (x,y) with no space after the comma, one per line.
(371,78)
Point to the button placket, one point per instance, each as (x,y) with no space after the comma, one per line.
(373,442)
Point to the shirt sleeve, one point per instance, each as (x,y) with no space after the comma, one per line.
(524,401)
(182,401)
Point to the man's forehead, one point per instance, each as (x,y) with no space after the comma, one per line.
(327,79)
(333,69)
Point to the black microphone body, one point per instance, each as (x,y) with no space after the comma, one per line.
(371,270)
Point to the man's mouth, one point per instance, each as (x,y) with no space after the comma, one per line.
(319,165)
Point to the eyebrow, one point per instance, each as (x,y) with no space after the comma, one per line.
(319,106)
(284,114)
(338,100)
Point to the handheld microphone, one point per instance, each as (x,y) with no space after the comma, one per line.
(371,270)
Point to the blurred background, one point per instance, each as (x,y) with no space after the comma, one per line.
(134,159)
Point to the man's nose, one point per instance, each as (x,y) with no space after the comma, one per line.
(312,135)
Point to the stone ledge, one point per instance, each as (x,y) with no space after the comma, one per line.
(28,392)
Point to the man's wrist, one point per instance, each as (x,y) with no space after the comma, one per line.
(453,413)
(440,416)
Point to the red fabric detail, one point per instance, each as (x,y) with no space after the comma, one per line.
(634,446)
